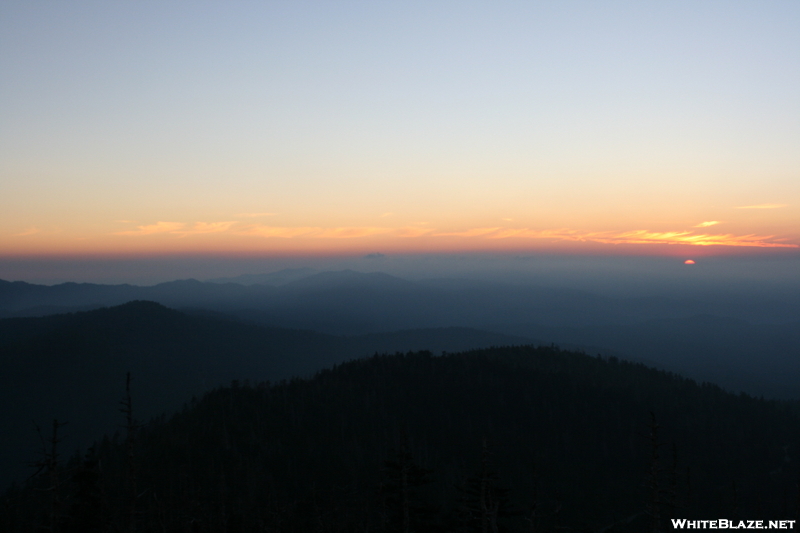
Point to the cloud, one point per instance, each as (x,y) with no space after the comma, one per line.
(343,232)
(642,236)
(208,227)
(629,237)
(688,237)
(152,229)
(179,228)
(561,234)
(762,206)
(374,256)
(338,232)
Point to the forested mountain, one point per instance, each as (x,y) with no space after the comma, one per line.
(504,439)
(72,367)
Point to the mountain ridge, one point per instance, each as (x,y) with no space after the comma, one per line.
(72,366)
(551,439)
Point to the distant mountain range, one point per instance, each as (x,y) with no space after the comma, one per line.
(348,302)
(749,344)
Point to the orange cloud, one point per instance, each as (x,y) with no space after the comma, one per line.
(707,224)
(289,232)
(685,237)
(632,237)
(560,234)
(158,227)
(284,232)
(179,228)
(344,232)
(208,227)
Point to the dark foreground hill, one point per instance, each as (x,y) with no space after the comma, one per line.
(507,439)
(72,367)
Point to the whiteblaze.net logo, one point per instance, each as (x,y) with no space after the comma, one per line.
(722,523)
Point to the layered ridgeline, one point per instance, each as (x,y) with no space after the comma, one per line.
(371,302)
(524,439)
(742,342)
(72,367)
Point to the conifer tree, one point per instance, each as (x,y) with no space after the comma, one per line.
(49,465)
(485,503)
(404,507)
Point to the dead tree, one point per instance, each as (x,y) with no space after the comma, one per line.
(49,464)
(131,426)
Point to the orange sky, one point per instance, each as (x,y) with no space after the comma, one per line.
(394,127)
(250,236)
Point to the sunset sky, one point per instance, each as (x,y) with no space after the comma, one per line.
(136,128)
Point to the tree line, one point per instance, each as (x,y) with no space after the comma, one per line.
(508,439)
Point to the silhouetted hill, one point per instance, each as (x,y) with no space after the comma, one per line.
(72,366)
(572,443)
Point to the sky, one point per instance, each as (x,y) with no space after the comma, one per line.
(321,129)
